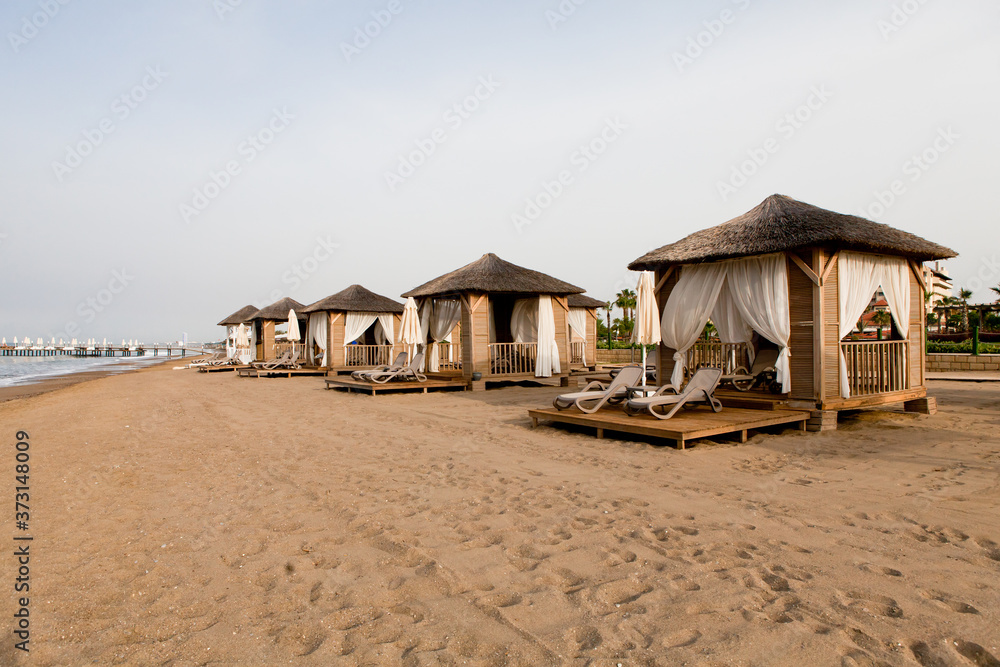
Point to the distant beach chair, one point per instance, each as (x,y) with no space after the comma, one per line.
(409,372)
(288,360)
(764,369)
(398,364)
(593,397)
(217,356)
(700,389)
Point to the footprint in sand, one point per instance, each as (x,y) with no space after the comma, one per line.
(682,638)
(975,653)
(872,604)
(583,638)
(989,547)
(923,654)
(949,602)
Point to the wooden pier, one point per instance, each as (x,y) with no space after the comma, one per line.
(98,351)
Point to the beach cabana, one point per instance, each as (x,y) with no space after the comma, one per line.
(264,322)
(514,321)
(241,316)
(352,330)
(797,278)
(582,322)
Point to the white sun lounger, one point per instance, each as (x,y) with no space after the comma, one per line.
(593,397)
(699,389)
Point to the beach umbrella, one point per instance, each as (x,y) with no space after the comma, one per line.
(409,328)
(4,341)
(15,340)
(646,328)
(293,328)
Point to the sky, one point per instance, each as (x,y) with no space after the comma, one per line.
(167,163)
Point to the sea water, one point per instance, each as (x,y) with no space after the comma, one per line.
(28,370)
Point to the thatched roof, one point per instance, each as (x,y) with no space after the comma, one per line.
(781,223)
(244,314)
(584,301)
(278,311)
(489,273)
(356,299)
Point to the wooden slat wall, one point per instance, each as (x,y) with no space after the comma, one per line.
(917,333)
(591,336)
(475,350)
(800,305)
(336,342)
(665,355)
(831,337)
(267,340)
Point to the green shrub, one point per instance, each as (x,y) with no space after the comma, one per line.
(965,347)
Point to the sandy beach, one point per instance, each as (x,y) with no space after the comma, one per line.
(190,519)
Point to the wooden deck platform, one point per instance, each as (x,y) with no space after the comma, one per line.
(218,369)
(281,372)
(350,384)
(687,425)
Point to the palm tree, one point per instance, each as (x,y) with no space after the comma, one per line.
(997,290)
(626,301)
(607,311)
(964,295)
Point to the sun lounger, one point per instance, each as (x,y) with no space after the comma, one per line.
(410,372)
(217,356)
(762,371)
(699,389)
(595,394)
(288,360)
(398,364)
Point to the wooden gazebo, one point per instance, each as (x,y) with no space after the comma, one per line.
(828,371)
(241,316)
(264,321)
(366,350)
(489,290)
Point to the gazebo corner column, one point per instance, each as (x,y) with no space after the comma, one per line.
(666,277)
(475,338)
(560,314)
(267,339)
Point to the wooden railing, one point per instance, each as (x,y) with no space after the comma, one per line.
(876,367)
(714,354)
(576,351)
(281,348)
(513,358)
(449,356)
(367,355)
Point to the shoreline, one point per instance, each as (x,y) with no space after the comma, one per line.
(63,380)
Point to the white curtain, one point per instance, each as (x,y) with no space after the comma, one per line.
(858,276)
(759,289)
(524,321)
(356,324)
(688,309)
(446,314)
(316,331)
(387,325)
(730,324)
(251,353)
(547,362)
(577,319)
